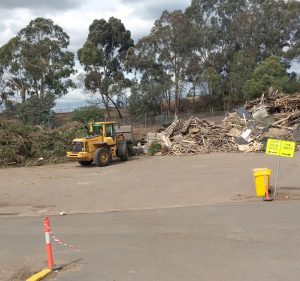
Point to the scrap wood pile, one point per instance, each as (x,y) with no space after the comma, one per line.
(196,136)
(283,109)
(273,116)
(35,145)
(247,129)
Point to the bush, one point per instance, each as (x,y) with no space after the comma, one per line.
(37,110)
(86,114)
(154,148)
(23,144)
(270,73)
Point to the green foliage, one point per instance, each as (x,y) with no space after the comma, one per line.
(141,103)
(148,95)
(37,110)
(292,85)
(270,73)
(234,37)
(37,65)
(163,56)
(86,114)
(260,28)
(25,144)
(103,57)
(154,148)
(214,48)
(37,60)
(240,70)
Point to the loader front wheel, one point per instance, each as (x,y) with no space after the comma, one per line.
(102,157)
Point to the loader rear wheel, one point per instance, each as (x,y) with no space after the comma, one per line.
(85,163)
(125,157)
(102,157)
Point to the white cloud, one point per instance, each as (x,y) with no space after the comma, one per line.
(72,100)
(13,21)
(40,4)
(75,18)
(295,67)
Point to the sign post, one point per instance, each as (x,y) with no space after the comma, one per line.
(276,179)
(280,148)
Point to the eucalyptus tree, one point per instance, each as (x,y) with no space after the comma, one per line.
(103,57)
(154,87)
(167,48)
(36,62)
(235,36)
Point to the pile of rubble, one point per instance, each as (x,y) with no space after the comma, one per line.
(195,136)
(274,116)
(279,110)
(247,129)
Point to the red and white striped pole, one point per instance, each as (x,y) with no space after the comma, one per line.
(48,243)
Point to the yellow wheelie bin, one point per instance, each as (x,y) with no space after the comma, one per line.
(261,180)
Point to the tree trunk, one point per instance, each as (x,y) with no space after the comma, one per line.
(224,103)
(42,93)
(169,102)
(176,93)
(115,105)
(3,98)
(103,99)
(105,104)
(23,95)
(194,94)
(210,95)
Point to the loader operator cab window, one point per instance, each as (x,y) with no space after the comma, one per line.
(110,130)
(97,130)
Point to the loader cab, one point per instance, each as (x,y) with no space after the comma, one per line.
(110,130)
(109,135)
(106,130)
(95,129)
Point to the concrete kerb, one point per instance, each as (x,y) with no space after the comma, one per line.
(40,275)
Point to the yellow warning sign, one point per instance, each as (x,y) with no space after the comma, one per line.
(281,148)
(287,149)
(273,147)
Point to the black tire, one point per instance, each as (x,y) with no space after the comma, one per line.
(102,157)
(131,151)
(122,148)
(85,163)
(125,157)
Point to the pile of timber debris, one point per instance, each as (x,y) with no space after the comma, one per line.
(196,136)
(283,109)
(247,129)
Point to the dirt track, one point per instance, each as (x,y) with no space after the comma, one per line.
(127,239)
(141,183)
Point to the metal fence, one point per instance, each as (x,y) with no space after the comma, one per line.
(144,121)
(162,120)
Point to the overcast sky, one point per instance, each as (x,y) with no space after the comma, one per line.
(75,16)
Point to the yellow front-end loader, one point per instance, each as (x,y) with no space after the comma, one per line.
(105,140)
